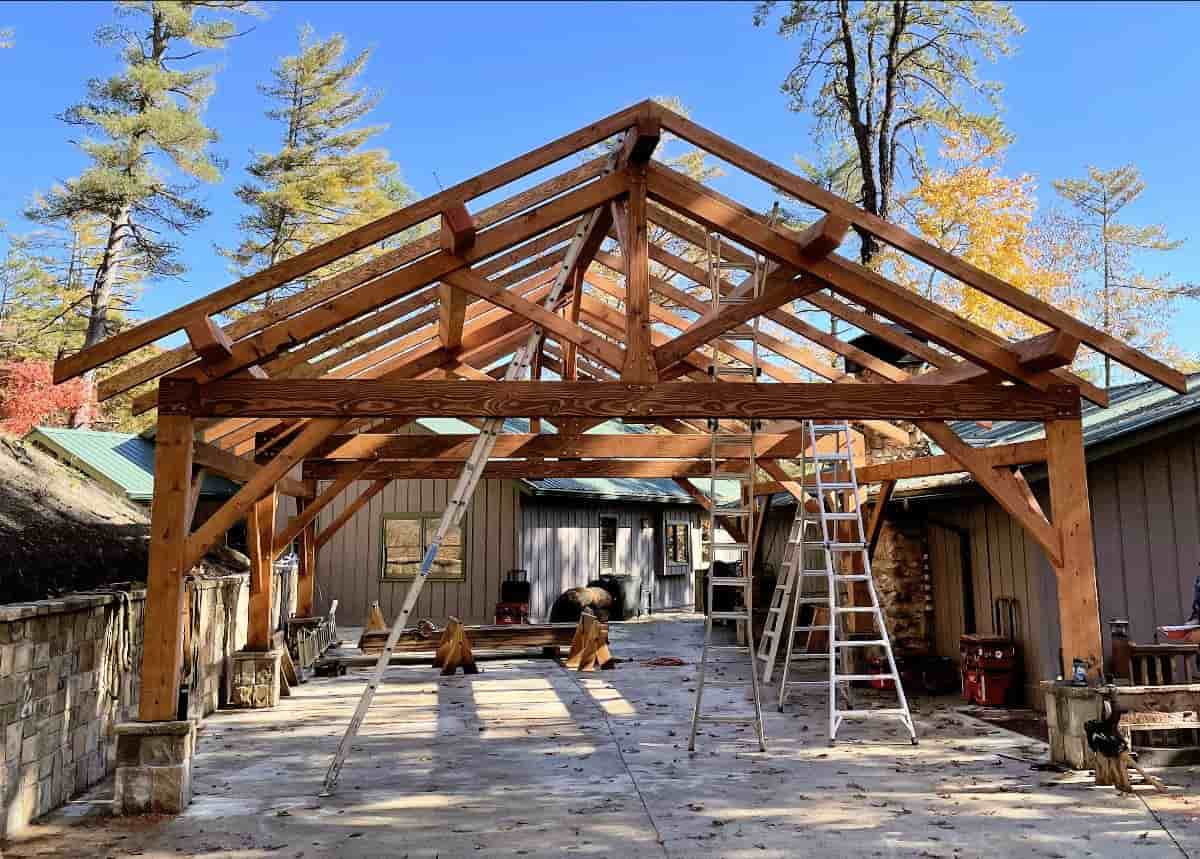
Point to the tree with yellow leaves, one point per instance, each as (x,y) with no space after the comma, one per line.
(971,209)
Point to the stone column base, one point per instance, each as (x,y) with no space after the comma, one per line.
(1067,709)
(255,679)
(154,767)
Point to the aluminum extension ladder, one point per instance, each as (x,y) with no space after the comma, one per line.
(833,546)
(460,499)
(724,434)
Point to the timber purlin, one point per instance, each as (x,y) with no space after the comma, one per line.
(429,398)
(428,329)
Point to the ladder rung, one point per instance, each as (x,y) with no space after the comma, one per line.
(728,720)
(841,517)
(729,615)
(727,683)
(866,677)
(852,578)
(814,601)
(827,485)
(855,609)
(796,657)
(874,642)
(796,629)
(735,371)
(845,547)
(810,683)
(859,714)
(829,428)
(730,581)
(829,457)
(741,547)
(727,647)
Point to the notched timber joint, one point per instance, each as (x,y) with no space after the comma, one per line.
(209,341)
(458,229)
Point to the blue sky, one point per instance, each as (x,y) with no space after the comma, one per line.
(467,86)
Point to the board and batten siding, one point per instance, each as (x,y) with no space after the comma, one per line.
(350,565)
(561,540)
(1145,504)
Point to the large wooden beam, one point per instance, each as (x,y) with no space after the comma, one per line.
(306,573)
(260,525)
(208,341)
(353,398)
(350,509)
(162,651)
(452,313)
(1075,571)
(639,365)
(357,239)
(900,238)
(999,456)
(513,469)
(1009,492)
(236,468)
(591,446)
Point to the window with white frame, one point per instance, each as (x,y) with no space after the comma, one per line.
(608,545)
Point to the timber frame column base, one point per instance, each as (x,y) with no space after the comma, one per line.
(154,767)
(256,679)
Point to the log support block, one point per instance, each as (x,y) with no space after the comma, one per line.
(589,648)
(154,767)
(454,650)
(256,679)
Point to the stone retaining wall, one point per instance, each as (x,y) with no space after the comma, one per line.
(70,672)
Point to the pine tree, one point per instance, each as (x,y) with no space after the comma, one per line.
(1117,298)
(322,181)
(148,147)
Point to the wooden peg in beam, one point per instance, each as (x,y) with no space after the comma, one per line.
(823,238)
(209,341)
(458,229)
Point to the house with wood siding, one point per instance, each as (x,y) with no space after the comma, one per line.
(952,561)
(561,532)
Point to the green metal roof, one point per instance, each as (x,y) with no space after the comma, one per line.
(122,461)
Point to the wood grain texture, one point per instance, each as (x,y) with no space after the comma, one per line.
(354,398)
(1075,572)
(592,445)
(241,470)
(1004,455)
(512,469)
(162,657)
(260,524)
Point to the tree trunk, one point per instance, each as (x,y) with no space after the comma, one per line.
(101,299)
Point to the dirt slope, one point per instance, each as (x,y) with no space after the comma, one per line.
(59,531)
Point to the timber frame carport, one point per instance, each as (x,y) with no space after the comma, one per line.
(325,378)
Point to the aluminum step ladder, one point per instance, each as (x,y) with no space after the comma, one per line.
(777,611)
(724,434)
(835,549)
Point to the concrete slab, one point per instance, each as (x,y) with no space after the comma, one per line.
(527,759)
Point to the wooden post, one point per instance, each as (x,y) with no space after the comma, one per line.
(1071,512)
(306,579)
(260,535)
(162,652)
(639,361)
